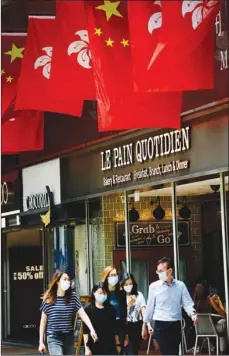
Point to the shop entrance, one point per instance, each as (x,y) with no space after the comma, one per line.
(143,265)
(26,281)
(23,285)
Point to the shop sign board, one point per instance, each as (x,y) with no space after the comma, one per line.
(4,193)
(146,158)
(146,151)
(39,201)
(10,192)
(146,234)
(41,185)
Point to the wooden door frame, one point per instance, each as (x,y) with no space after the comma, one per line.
(147,254)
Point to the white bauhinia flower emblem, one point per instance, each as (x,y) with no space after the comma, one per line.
(199,8)
(45,62)
(155,20)
(81,47)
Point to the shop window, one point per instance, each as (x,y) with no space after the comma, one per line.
(81,260)
(102,232)
(183,271)
(198,204)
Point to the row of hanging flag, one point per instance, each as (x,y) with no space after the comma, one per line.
(135,58)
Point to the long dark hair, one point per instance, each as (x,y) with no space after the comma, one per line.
(127,276)
(51,293)
(97,286)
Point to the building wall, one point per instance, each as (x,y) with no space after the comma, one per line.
(113,210)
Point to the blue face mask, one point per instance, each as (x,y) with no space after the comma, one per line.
(100,298)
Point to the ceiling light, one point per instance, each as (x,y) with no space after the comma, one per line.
(215,187)
(158,212)
(185,212)
(133,213)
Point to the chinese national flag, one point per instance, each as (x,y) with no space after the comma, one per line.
(23,131)
(118,106)
(11,57)
(44,93)
(72,64)
(173,44)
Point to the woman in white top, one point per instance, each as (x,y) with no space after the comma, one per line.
(136,306)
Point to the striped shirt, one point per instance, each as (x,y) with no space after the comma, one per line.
(61,316)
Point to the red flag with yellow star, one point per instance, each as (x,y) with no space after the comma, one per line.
(71,63)
(45,94)
(11,57)
(22,131)
(118,106)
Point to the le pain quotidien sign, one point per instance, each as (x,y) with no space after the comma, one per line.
(146,234)
(146,152)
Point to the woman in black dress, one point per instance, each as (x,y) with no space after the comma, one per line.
(102,315)
(117,298)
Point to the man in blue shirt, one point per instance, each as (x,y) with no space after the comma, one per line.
(164,308)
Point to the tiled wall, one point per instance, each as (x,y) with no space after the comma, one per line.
(113,210)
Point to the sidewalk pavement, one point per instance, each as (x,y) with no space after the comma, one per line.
(16,350)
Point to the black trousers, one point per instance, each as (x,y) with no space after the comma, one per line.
(135,337)
(168,336)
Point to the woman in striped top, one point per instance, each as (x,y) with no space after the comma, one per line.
(59,307)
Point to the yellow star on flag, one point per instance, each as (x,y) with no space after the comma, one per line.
(109,42)
(2,72)
(98,31)
(110,8)
(125,43)
(15,52)
(9,79)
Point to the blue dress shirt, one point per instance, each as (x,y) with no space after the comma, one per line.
(165,301)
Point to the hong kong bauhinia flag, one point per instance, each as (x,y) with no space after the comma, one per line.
(37,89)
(72,63)
(118,106)
(173,44)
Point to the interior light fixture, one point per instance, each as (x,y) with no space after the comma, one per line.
(215,187)
(158,212)
(133,213)
(185,212)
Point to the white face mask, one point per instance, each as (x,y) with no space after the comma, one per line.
(113,280)
(128,288)
(65,285)
(162,276)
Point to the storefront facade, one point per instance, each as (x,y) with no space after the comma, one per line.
(155,193)
(24,252)
(11,192)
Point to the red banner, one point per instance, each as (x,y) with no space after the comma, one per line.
(45,93)
(118,106)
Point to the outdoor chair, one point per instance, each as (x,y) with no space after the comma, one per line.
(205,329)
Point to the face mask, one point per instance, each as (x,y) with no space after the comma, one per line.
(162,276)
(128,288)
(65,285)
(100,298)
(113,281)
